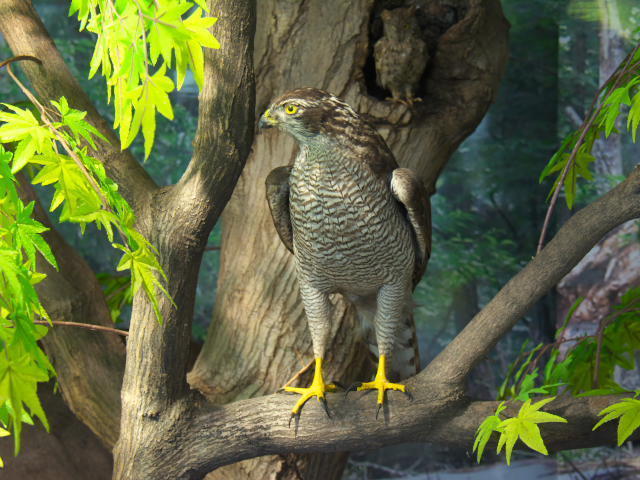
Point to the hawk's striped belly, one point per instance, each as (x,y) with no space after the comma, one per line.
(348,232)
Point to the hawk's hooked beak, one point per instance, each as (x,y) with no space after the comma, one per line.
(266,120)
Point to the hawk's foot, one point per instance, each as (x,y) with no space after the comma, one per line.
(317,389)
(381,383)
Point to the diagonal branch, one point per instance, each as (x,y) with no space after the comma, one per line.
(226,116)
(199,439)
(572,242)
(621,71)
(26,35)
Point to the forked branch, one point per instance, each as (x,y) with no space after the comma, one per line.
(212,436)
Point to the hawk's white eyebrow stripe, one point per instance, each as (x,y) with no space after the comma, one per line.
(298,101)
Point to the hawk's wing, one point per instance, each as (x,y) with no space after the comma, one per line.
(410,192)
(277,184)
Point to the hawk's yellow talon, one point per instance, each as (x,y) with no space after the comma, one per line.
(381,383)
(317,389)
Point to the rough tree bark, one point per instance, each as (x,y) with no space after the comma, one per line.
(168,431)
(326,44)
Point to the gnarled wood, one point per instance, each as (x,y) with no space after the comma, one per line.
(259,334)
(155,396)
(259,337)
(207,436)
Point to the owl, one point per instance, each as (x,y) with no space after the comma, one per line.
(401,55)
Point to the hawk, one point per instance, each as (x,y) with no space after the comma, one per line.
(356,223)
(401,55)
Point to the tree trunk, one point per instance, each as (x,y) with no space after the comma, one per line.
(327,45)
(608,151)
(167,431)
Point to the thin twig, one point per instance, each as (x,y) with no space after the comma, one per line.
(573,466)
(604,323)
(20,57)
(544,349)
(88,326)
(212,248)
(619,74)
(300,372)
(60,138)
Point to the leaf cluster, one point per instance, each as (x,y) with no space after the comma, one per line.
(523,427)
(84,194)
(137,43)
(586,369)
(22,363)
(81,186)
(621,93)
(627,411)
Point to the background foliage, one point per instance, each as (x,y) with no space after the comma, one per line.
(489,207)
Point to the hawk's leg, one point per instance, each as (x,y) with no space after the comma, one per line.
(392,302)
(318,309)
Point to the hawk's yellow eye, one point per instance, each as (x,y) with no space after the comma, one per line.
(291,109)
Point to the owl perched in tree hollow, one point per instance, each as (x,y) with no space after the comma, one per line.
(356,223)
(400,55)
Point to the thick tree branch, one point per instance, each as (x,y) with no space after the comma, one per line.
(155,393)
(179,219)
(89,364)
(581,232)
(217,436)
(26,35)
(225,119)
(466,73)
(199,440)
(325,44)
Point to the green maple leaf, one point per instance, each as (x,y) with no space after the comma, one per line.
(27,232)
(19,380)
(628,412)
(524,427)
(74,119)
(486,429)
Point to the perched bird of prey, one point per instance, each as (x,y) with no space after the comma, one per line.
(401,55)
(356,223)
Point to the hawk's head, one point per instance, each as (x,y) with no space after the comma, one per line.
(307,113)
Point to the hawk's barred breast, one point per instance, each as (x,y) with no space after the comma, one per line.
(348,233)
